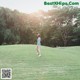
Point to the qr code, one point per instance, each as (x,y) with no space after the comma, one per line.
(6,73)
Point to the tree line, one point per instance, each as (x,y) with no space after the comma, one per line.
(58,27)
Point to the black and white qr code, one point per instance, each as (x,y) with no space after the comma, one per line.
(6,73)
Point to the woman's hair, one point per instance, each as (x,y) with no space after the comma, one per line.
(38,35)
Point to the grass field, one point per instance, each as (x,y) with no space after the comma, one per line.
(61,63)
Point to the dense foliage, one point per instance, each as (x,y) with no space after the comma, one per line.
(58,27)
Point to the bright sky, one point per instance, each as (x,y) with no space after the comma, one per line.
(28,5)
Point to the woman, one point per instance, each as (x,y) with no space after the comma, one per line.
(38,44)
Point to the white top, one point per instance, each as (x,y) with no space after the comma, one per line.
(38,41)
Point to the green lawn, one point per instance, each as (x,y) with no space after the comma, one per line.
(61,63)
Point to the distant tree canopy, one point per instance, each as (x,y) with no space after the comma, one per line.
(58,27)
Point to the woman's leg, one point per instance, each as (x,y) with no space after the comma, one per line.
(38,50)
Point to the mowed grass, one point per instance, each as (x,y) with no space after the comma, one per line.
(60,63)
